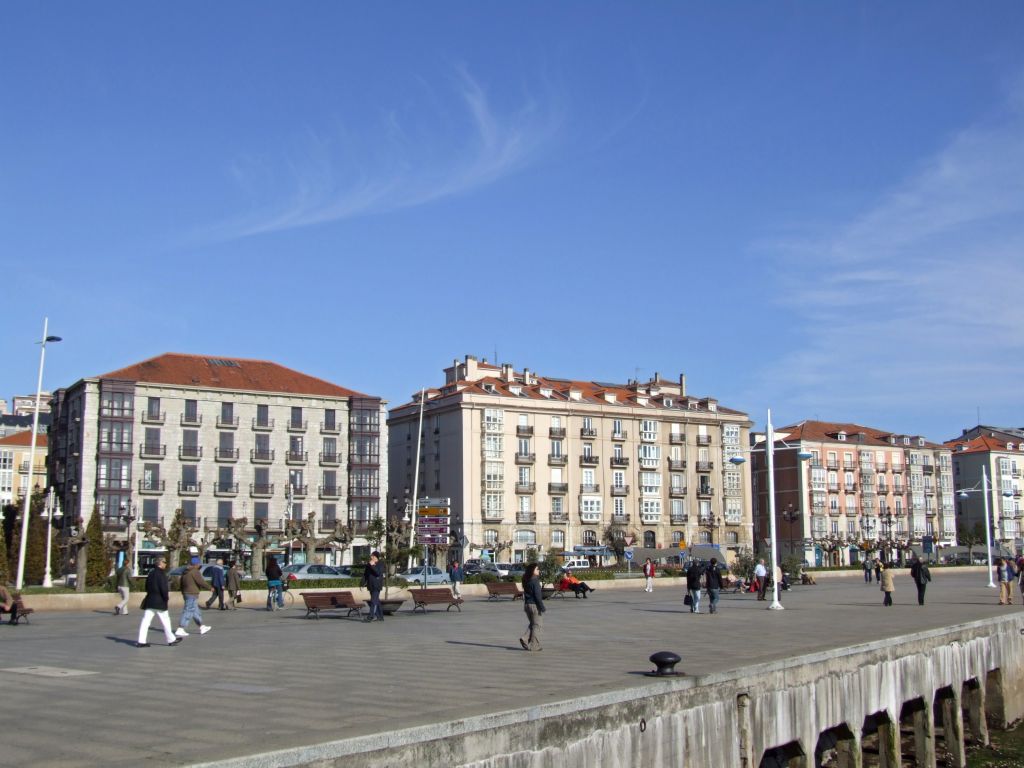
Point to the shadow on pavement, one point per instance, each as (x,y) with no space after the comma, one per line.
(486,645)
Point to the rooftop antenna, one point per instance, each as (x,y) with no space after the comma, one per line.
(978,407)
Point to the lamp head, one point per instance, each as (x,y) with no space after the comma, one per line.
(736,460)
(963,494)
(805,455)
(53,338)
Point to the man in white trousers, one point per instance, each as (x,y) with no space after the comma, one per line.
(649,575)
(155,604)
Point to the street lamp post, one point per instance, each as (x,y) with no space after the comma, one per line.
(32,456)
(52,513)
(129,515)
(984,490)
(790,515)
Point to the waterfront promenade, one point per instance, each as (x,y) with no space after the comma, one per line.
(76,691)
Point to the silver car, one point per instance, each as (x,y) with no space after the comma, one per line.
(311,571)
(433,575)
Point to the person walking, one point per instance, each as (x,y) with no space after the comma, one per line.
(456,576)
(533,605)
(192,583)
(373,580)
(713,578)
(1005,576)
(761,577)
(921,575)
(155,604)
(878,570)
(694,574)
(649,575)
(888,586)
(217,582)
(123,575)
(234,586)
(274,591)
(867,570)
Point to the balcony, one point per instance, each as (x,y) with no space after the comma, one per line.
(620,435)
(115,448)
(703,439)
(330,492)
(620,490)
(705,466)
(868,488)
(619,461)
(296,457)
(262,425)
(590,517)
(588,432)
(705,491)
(190,452)
(589,460)
(678,520)
(556,432)
(525,458)
(329,429)
(112,524)
(881,466)
(261,490)
(526,517)
(330,459)
(227,423)
(297,426)
(556,489)
(225,489)
(833,487)
(620,519)
(152,451)
(676,464)
(189,489)
(153,417)
(849,466)
(298,491)
(676,438)
(850,487)
(492,516)
(897,467)
(650,518)
(557,460)
(225,454)
(679,491)
(928,469)
(524,430)
(261,456)
(832,465)
(151,487)
(882,490)
(1015,473)
(558,518)
(595,488)
(191,420)
(526,487)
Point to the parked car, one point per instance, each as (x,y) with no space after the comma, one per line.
(311,571)
(207,571)
(576,562)
(495,569)
(471,569)
(516,570)
(432,575)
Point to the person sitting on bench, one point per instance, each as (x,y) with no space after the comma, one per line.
(8,604)
(579,588)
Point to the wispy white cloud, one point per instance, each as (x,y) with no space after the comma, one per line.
(424,151)
(915,305)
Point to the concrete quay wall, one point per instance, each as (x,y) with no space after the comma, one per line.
(840,704)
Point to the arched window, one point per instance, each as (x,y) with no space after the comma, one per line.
(677,536)
(732,538)
(525,536)
(648,538)
(590,538)
(558,539)
(490,536)
(705,537)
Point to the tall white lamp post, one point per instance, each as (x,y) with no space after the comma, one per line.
(32,456)
(769,450)
(52,513)
(984,490)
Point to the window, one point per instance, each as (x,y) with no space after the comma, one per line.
(588,423)
(590,507)
(648,430)
(556,505)
(732,537)
(296,417)
(188,510)
(524,446)
(493,448)
(223,513)
(192,411)
(261,510)
(494,420)
(619,507)
(490,536)
(524,475)
(152,440)
(678,482)
(262,415)
(524,536)
(494,504)
(556,422)
(494,475)
(227,413)
(558,539)
(588,450)
(151,510)
(616,426)
(151,477)
(590,538)
(525,504)
(618,479)
(153,407)
(556,447)
(588,477)
(650,483)
(733,512)
(650,456)
(677,538)
(650,508)
(617,451)
(705,537)
(330,420)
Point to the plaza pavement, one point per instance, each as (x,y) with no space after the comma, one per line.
(76,692)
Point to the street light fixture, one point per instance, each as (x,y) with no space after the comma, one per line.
(129,515)
(984,489)
(769,449)
(32,455)
(52,513)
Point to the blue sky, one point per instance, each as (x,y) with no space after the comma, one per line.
(817,207)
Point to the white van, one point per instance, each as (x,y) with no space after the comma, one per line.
(576,563)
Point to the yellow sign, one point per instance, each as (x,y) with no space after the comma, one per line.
(682,544)
(432,511)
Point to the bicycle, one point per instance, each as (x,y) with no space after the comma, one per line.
(287,598)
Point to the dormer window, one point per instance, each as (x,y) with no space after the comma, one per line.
(668,402)
(545,392)
(712,407)
(920,442)
(841,437)
(516,390)
(906,441)
(1009,446)
(489,388)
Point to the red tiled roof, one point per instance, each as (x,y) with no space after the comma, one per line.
(826,431)
(982,444)
(24,438)
(227,373)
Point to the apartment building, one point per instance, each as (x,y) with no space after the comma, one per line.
(863,489)
(15,450)
(218,438)
(535,462)
(1000,454)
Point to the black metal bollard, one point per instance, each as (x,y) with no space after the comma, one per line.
(665,661)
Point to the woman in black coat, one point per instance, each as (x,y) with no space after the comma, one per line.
(155,604)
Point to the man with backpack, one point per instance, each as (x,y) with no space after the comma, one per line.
(921,575)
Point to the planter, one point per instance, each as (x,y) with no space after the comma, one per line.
(388,607)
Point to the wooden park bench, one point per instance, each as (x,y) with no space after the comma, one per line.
(421,598)
(497,589)
(330,601)
(20,611)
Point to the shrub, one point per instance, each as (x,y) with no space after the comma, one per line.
(481,578)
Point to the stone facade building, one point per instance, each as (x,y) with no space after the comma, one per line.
(218,438)
(1001,454)
(15,450)
(535,462)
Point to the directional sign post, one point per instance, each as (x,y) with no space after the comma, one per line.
(629,559)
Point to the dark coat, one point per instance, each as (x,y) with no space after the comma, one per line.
(156,590)
(920,574)
(456,574)
(234,579)
(714,577)
(217,579)
(273,572)
(373,577)
(192,582)
(693,575)
(533,594)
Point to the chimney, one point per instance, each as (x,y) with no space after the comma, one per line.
(682,385)
(506,372)
(526,377)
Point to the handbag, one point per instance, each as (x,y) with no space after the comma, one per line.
(688,600)
(238,597)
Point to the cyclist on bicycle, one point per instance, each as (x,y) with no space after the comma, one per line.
(274,584)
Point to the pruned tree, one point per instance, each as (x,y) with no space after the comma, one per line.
(97,562)
(970,538)
(304,531)
(614,537)
(176,538)
(76,545)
